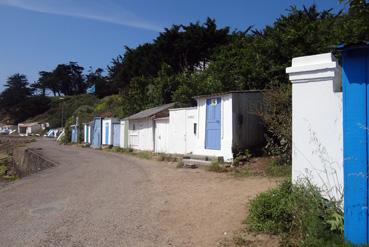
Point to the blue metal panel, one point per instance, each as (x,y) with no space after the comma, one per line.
(116,134)
(96,133)
(107,134)
(213,124)
(355,125)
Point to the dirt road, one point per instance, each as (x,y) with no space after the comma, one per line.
(97,198)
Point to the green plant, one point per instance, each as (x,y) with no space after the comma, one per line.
(277,169)
(241,172)
(216,166)
(180,164)
(299,214)
(3,170)
(242,158)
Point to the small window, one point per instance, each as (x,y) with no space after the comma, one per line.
(195,128)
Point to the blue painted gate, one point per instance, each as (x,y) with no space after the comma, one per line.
(116,134)
(96,133)
(355,80)
(213,124)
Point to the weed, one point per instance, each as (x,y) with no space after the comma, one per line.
(144,155)
(180,164)
(275,169)
(241,172)
(242,158)
(217,167)
(3,170)
(299,214)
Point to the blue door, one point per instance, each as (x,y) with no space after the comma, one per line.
(355,78)
(74,135)
(116,135)
(107,134)
(212,127)
(96,133)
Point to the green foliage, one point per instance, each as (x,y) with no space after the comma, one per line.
(242,158)
(84,114)
(278,121)
(62,108)
(216,166)
(3,170)
(299,213)
(110,106)
(17,102)
(277,169)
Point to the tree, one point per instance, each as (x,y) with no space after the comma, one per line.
(16,90)
(45,82)
(69,79)
(103,87)
(17,100)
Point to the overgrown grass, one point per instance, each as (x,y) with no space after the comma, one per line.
(3,170)
(299,214)
(216,166)
(275,169)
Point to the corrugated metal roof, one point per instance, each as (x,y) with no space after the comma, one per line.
(150,112)
(225,93)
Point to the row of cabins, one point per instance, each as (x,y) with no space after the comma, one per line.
(220,125)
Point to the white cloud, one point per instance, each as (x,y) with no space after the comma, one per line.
(101,10)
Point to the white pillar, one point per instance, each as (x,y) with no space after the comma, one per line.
(317,132)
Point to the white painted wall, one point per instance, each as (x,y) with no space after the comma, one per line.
(87,138)
(226,128)
(29,129)
(123,134)
(182,138)
(161,135)
(140,133)
(317,132)
(108,122)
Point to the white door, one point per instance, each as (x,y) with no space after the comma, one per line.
(161,135)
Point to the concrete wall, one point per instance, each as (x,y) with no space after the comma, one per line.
(317,133)
(182,137)
(226,128)
(140,133)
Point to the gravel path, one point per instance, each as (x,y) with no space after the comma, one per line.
(97,198)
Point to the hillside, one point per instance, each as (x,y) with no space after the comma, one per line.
(67,104)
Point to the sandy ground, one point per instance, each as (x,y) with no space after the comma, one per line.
(97,198)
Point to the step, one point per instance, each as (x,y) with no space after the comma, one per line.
(194,163)
(201,157)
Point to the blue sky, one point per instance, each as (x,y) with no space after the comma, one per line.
(37,35)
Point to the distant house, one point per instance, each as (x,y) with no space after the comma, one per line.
(221,125)
(143,126)
(229,123)
(26,129)
(110,131)
(87,133)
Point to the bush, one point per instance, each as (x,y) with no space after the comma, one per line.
(278,169)
(299,214)
(278,121)
(217,167)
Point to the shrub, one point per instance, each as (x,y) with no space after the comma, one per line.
(278,169)
(217,167)
(242,158)
(278,121)
(300,214)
